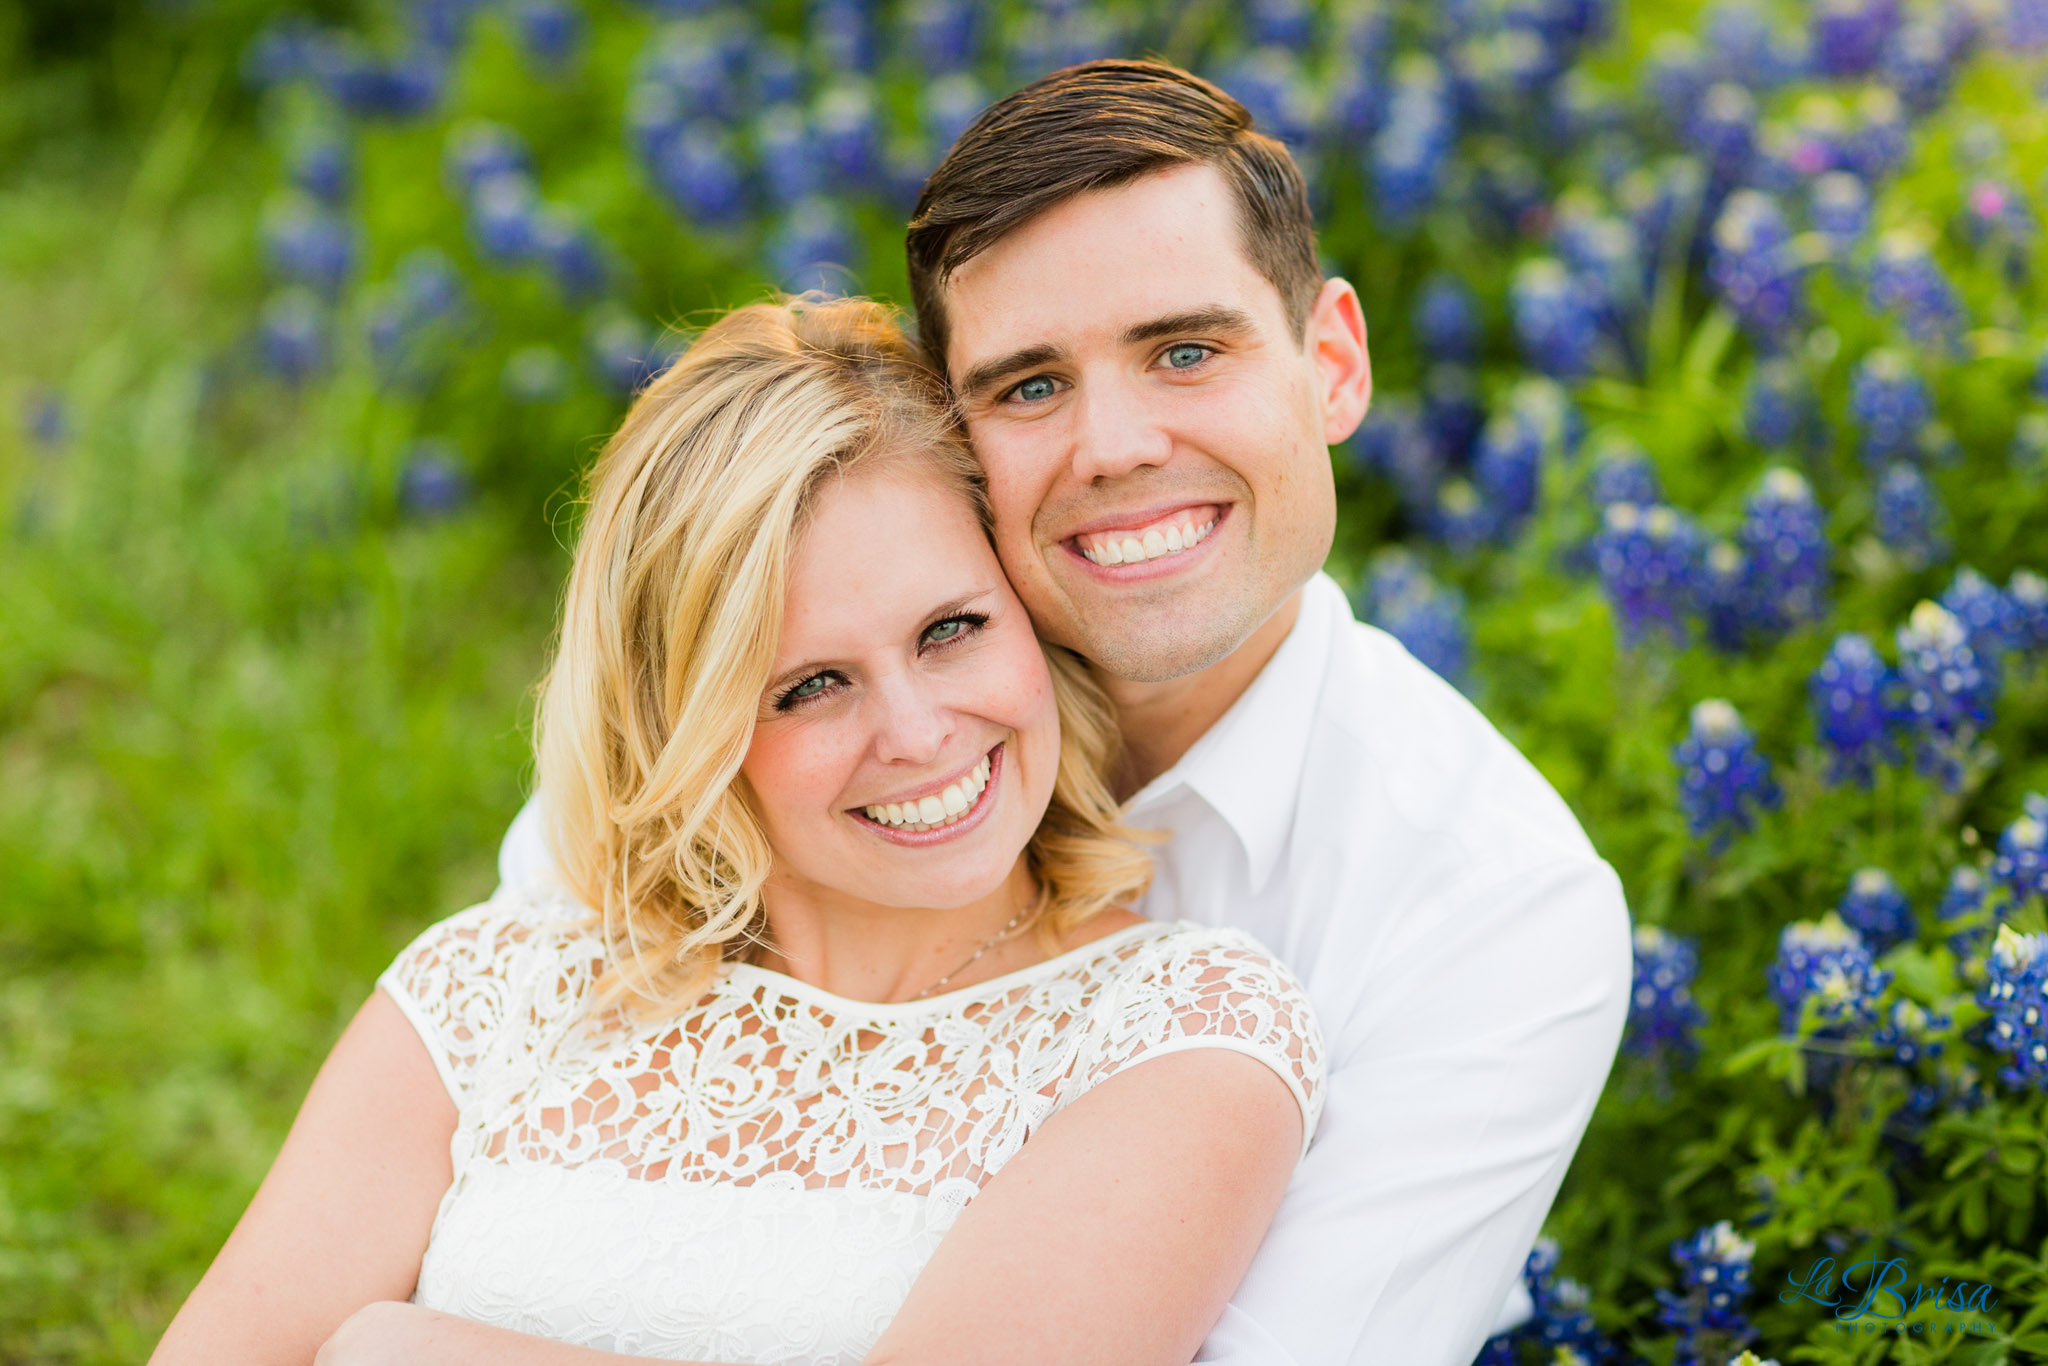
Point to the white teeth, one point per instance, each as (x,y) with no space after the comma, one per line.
(926,813)
(1155,543)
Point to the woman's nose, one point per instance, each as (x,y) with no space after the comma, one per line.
(912,724)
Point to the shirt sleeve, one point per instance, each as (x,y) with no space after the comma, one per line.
(455,982)
(1459,1088)
(1206,988)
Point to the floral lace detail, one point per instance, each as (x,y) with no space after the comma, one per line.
(761,1177)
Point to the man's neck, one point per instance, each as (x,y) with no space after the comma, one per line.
(1162,721)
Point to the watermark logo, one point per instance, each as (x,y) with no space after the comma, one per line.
(1875,1296)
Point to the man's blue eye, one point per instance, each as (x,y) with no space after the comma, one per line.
(1034,389)
(1184,356)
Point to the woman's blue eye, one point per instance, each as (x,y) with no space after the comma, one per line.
(1186,355)
(1034,389)
(950,628)
(804,689)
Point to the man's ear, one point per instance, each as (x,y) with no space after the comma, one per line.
(1336,341)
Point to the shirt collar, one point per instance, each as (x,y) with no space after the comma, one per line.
(1248,765)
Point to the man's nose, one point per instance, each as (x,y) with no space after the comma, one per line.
(1115,430)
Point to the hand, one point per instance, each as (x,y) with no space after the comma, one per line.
(381,1333)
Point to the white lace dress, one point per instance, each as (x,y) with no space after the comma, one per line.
(761,1178)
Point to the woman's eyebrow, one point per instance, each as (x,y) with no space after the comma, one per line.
(937,614)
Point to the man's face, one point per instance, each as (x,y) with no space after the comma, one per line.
(1155,437)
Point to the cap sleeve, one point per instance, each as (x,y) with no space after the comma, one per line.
(456,982)
(1206,987)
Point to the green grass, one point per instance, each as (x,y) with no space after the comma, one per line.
(255,728)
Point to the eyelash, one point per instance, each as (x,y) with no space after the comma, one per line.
(787,699)
(1011,392)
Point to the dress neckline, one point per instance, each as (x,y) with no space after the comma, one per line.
(796,986)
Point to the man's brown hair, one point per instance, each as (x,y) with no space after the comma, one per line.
(1093,127)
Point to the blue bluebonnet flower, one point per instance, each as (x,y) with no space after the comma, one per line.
(416,309)
(1462,518)
(1905,280)
(1879,145)
(433,482)
(45,419)
(1996,216)
(1270,82)
(2029,453)
(843,32)
(1661,1013)
(786,154)
(292,334)
(1778,409)
(1854,708)
(1555,318)
(1911,1032)
(1910,517)
(1561,1323)
(1875,907)
(1948,691)
(504,217)
(1428,618)
(1447,319)
(1722,130)
(2028,594)
(1784,535)
(1849,35)
(2016,994)
(1961,899)
(1708,1310)
(1659,199)
(1889,401)
(2021,864)
(1676,74)
(1993,622)
(1823,138)
(1623,473)
(625,352)
(574,256)
(1724,591)
(1723,779)
(309,244)
(1451,410)
(697,170)
(1838,206)
(1507,467)
(323,165)
(1283,23)
(477,150)
(1917,63)
(281,51)
(1548,409)
(1602,252)
(1744,46)
(813,248)
(2026,25)
(945,34)
(551,31)
(950,104)
(405,85)
(535,374)
(1394,443)
(849,134)
(1408,153)
(1827,962)
(1646,560)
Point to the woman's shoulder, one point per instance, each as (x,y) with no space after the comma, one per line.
(490,940)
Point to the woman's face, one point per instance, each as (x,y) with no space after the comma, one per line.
(905,747)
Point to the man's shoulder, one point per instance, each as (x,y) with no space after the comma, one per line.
(1400,755)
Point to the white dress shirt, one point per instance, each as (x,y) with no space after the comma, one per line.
(1468,956)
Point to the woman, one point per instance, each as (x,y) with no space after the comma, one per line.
(845,926)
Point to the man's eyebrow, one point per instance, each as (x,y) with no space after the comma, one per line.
(1210,320)
(989,373)
(938,614)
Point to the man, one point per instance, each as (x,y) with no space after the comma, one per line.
(1118,275)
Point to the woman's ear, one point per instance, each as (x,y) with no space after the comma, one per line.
(1336,342)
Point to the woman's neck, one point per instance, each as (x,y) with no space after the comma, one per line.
(865,951)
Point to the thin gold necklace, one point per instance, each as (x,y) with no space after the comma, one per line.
(986,946)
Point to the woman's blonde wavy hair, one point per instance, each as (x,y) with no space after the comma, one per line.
(670,625)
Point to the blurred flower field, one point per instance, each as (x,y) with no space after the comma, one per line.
(1709,456)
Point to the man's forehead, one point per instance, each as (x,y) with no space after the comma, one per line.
(1102,262)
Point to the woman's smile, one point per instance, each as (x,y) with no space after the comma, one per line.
(938,816)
